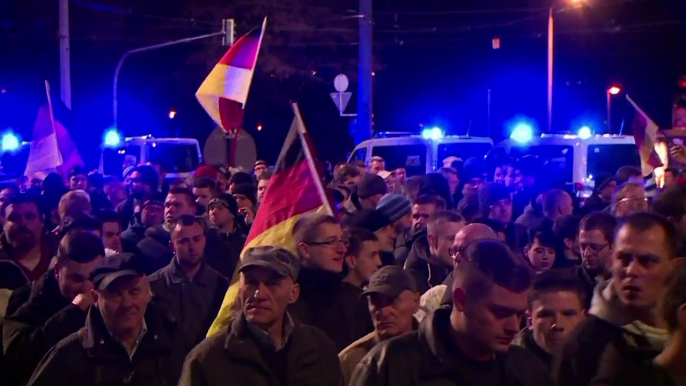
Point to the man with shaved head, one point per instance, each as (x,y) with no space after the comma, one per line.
(438,296)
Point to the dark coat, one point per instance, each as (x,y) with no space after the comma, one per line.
(630,366)
(45,319)
(332,306)
(155,248)
(404,243)
(233,356)
(125,211)
(93,357)
(134,234)
(223,251)
(426,274)
(423,358)
(525,339)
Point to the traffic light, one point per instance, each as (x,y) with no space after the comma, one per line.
(229,29)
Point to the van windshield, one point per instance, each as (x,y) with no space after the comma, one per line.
(174,157)
(463,150)
(410,157)
(609,158)
(559,160)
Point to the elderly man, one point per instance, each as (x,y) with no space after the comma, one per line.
(393,300)
(264,345)
(629,198)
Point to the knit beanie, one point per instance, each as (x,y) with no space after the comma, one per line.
(247,190)
(491,193)
(394,206)
(371,220)
(206,171)
(371,185)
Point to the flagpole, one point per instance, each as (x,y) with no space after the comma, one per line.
(52,123)
(310,158)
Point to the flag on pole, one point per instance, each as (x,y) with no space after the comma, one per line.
(645,135)
(52,149)
(294,190)
(225,90)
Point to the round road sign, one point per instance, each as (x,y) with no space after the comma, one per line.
(341,83)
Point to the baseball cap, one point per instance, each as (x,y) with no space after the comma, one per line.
(114,267)
(390,281)
(279,260)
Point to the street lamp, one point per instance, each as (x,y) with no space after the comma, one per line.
(551,44)
(614,90)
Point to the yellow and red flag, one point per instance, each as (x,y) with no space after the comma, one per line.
(645,136)
(294,190)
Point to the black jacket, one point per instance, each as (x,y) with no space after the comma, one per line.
(235,356)
(525,339)
(93,357)
(332,306)
(155,248)
(45,319)
(629,366)
(223,251)
(404,243)
(426,274)
(423,358)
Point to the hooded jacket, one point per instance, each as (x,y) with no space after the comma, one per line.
(155,248)
(426,274)
(609,325)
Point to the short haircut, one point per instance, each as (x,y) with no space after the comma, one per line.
(621,190)
(306,228)
(178,190)
(77,171)
(427,199)
(266,175)
(377,159)
(79,246)
(625,172)
(186,220)
(600,221)
(445,171)
(645,221)
(495,225)
(359,164)
(552,199)
(23,198)
(566,227)
(241,178)
(81,221)
(205,183)
(105,216)
(556,280)
(544,237)
(674,296)
(413,183)
(439,218)
(73,203)
(671,203)
(346,171)
(487,263)
(355,237)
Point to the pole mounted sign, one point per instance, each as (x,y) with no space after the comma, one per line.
(341,97)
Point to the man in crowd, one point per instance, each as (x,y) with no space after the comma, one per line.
(78,178)
(73,204)
(430,269)
(124,340)
(671,203)
(566,231)
(156,244)
(628,174)
(470,343)
(204,190)
(56,307)
(596,236)
(555,308)
(370,190)
(324,303)
(347,175)
(422,209)
(624,310)
(362,257)
(143,180)
(629,198)
(24,242)
(495,204)
(398,209)
(601,198)
(260,167)
(264,344)
(556,204)
(227,235)
(262,184)
(384,231)
(151,215)
(393,300)
(376,165)
(188,289)
(247,201)
(110,230)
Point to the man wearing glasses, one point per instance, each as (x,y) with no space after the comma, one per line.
(324,303)
(629,198)
(596,234)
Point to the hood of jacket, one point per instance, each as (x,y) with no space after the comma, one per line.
(607,306)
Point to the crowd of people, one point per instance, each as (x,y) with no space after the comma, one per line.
(481,273)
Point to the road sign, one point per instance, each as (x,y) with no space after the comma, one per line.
(341,99)
(340,83)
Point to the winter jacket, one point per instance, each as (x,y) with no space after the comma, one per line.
(48,247)
(134,234)
(630,366)
(332,306)
(607,325)
(588,282)
(531,218)
(223,251)
(525,339)
(45,319)
(92,357)
(155,248)
(235,356)
(426,274)
(424,357)
(192,304)
(404,243)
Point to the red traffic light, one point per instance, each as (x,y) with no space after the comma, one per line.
(682,82)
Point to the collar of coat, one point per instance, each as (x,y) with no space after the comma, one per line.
(177,276)
(98,342)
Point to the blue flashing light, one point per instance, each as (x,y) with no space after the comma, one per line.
(585,132)
(112,138)
(522,132)
(434,133)
(10,142)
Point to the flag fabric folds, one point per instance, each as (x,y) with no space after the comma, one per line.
(52,148)
(225,90)
(294,190)
(645,134)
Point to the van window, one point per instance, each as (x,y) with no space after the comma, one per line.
(559,161)
(174,157)
(359,155)
(113,158)
(463,150)
(609,158)
(410,157)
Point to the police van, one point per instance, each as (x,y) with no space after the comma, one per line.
(420,154)
(179,157)
(575,160)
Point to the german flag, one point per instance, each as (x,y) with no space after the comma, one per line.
(294,190)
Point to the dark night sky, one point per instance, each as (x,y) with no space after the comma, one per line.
(434,66)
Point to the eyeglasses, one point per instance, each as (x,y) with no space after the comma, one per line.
(329,244)
(595,248)
(633,199)
(455,250)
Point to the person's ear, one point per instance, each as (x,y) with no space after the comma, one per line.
(569,243)
(459,298)
(295,293)
(432,241)
(350,261)
(304,250)
(95,296)
(529,323)
(171,246)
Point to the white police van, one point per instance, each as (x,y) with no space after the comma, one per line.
(179,157)
(420,154)
(575,160)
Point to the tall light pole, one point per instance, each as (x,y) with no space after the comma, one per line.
(65,64)
(614,90)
